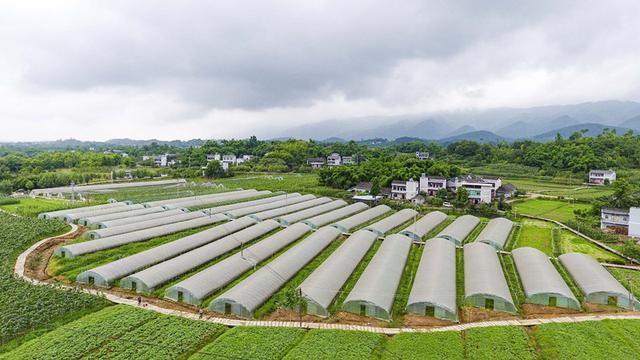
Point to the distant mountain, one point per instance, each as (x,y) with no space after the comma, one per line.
(334,140)
(633,123)
(591,130)
(482,136)
(100,145)
(523,130)
(176,143)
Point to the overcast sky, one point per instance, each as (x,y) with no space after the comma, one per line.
(95,70)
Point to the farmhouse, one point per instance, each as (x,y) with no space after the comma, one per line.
(431,184)
(614,218)
(480,190)
(602,177)
(420,155)
(316,163)
(404,190)
(334,159)
(506,191)
(361,187)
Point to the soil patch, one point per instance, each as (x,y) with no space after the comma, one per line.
(534,311)
(343,317)
(417,321)
(291,315)
(35,266)
(475,314)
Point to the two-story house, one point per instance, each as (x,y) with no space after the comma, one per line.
(431,184)
(404,190)
(316,163)
(601,177)
(334,159)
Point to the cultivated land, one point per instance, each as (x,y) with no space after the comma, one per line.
(126,332)
(551,209)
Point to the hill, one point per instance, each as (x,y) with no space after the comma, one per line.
(482,136)
(590,130)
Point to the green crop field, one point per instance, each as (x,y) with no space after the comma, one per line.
(305,183)
(536,234)
(27,206)
(336,344)
(573,243)
(628,278)
(498,343)
(551,209)
(252,343)
(417,346)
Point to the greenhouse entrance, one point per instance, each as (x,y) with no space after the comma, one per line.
(227,308)
(429,311)
(180,296)
(553,301)
(363,310)
(612,300)
(489,304)
(134,286)
(92,280)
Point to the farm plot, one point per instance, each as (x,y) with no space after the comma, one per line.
(336,344)
(536,234)
(497,343)
(628,278)
(573,243)
(251,343)
(24,307)
(32,207)
(425,346)
(551,209)
(607,339)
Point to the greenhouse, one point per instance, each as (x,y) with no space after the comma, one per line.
(196,288)
(270,214)
(542,283)
(181,216)
(391,222)
(91,246)
(233,214)
(54,214)
(434,286)
(105,275)
(218,199)
(484,283)
(150,278)
(376,288)
(72,217)
(349,223)
(100,187)
(422,227)
(139,218)
(244,204)
(327,218)
(189,198)
(496,233)
(244,298)
(322,286)
(459,229)
(597,284)
(94,220)
(301,215)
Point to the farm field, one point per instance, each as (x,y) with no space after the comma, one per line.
(31,207)
(552,209)
(336,344)
(573,243)
(628,278)
(305,183)
(252,343)
(536,234)
(497,343)
(575,190)
(416,346)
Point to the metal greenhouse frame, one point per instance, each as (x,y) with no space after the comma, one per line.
(376,288)
(496,233)
(110,186)
(301,215)
(146,224)
(72,217)
(434,286)
(244,298)
(218,199)
(390,222)
(322,286)
(93,221)
(484,283)
(542,283)
(244,204)
(327,218)
(196,288)
(420,228)
(140,218)
(54,214)
(150,278)
(270,214)
(349,223)
(233,214)
(459,229)
(106,275)
(597,284)
(166,202)
(91,246)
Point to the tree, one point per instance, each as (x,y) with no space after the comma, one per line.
(462,197)
(622,194)
(375,187)
(442,194)
(214,170)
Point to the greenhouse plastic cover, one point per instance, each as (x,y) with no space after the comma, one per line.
(268,206)
(327,218)
(301,215)
(140,218)
(218,199)
(361,218)
(112,271)
(91,246)
(53,214)
(218,275)
(270,214)
(322,286)
(592,277)
(390,222)
(197,197)
(435,279)
(73,216)
(244,204)
(420,228)
(538,275)
(496,233)
(85,188)
(147,224)
(459,229)
(379,282)
(259,286)
(158,274)
(95,220)
(483,273)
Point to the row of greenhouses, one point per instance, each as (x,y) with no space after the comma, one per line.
(272,238)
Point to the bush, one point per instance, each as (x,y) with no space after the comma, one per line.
(8,201)
(631,249)
(591,231)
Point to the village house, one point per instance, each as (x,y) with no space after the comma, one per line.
(421,155)
(316,163)
(404,190)
(348,160)
(602,177)
(334,159)
(431,184)
(614,219)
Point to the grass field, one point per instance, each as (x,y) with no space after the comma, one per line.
(332,345)
(536,234)
(498,343)
(415,346)
(551,209)
(252,343)
(572,243)
(305,183)
(27,206)
(628,278)
(574,191)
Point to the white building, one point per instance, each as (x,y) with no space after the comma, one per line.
(244,158)
(421,155)
(334,159)
(600,177)
(614,218)
(212,157)
(165,160)
(431,184)
(348,160)
(404,190)
(479,189)
(316,163)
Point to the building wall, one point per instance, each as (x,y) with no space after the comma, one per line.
(634,222)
